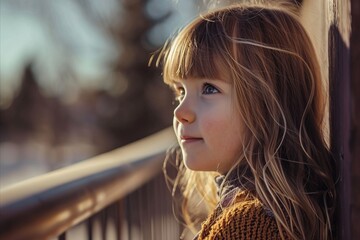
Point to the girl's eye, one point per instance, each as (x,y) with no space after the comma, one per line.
(209,89)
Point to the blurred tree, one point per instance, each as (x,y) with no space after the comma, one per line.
(143,102)
(28,117)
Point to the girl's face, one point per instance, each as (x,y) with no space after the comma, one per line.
(206,125)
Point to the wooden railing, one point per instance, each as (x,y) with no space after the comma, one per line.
(46,207)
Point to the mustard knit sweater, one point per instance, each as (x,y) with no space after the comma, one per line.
(242,220)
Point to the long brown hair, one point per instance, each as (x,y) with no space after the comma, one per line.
(270,61)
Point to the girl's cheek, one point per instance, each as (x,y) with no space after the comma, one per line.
(212,125)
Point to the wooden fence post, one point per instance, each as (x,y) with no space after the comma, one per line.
(354,131)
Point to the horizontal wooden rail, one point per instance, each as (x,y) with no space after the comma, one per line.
(45,206)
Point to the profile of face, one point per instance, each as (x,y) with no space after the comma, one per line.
(206,124)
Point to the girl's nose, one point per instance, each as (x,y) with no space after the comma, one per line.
(184,113)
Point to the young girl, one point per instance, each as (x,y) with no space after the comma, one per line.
(250,112)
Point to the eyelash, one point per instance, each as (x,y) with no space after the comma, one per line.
(180,91)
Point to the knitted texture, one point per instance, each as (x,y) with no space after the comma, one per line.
(242,220)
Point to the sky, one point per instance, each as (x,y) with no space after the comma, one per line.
(56,34)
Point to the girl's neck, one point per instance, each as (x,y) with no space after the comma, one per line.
(229,185)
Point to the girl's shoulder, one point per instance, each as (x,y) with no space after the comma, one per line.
(249,206)
(245,218)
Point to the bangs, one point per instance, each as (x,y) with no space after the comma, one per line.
(196,53)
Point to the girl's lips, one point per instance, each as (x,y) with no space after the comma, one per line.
(187,139)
